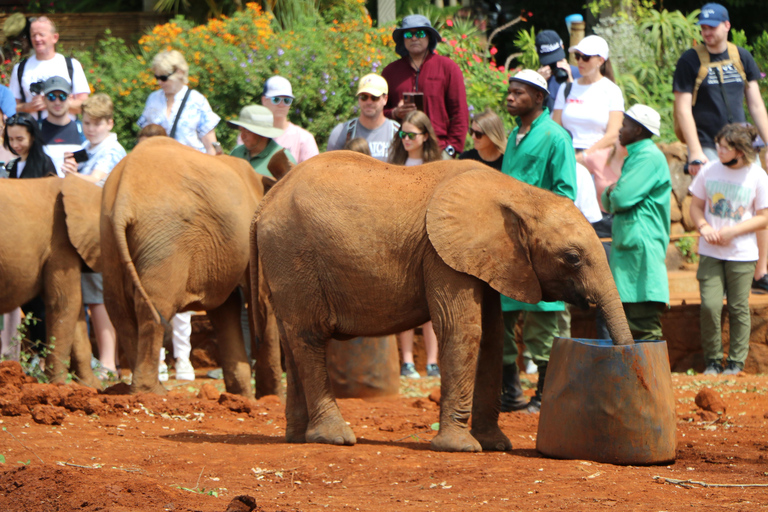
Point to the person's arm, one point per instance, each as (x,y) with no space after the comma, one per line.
(633,187)
(684,112)
(76,102)
(757,109)
(697,215)
(557,116)
(615,119)
(30,107)
(208,139)
(756,223)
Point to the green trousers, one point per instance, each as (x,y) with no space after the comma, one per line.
(735,279)
(539,330)
(644,319)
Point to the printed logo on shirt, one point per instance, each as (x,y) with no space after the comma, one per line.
(730,75)
(727,200)
(379,149)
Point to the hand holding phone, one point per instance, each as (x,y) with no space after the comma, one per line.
(80,156)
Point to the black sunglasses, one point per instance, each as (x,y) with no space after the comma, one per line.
(366,97)
(163,78)
(52,96)
(19,119)
(476,133)
(583,57)
(418,34)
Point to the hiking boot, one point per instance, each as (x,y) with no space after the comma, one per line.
(760,285)
(184,369)
(713,368)
(512,398)
(408,370)
(162,372)
(732,369)
(433,370)
(534,405)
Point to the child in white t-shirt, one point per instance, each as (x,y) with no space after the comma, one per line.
(730,203)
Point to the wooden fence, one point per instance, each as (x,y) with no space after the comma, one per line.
(81,30)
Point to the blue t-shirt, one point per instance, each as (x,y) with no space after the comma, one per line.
(554,86)
(7,101)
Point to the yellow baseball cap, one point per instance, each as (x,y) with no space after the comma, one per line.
(373,84)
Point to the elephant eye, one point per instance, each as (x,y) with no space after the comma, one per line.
(573,258)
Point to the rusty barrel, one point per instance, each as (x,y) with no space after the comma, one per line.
(608,403)
(364,367)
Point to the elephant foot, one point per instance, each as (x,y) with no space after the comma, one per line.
(492,439)
(334,431)
(90,380)
(157,389)
(295,436)
(455,440)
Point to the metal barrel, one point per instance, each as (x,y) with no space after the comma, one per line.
(364,367)
(608,403)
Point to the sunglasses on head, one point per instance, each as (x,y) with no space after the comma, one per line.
(583,57)
(408,135)
(476,133)
(417,34)
(276,100)
(61,96)
(366,97)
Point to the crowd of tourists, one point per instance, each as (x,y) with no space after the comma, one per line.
(573,136)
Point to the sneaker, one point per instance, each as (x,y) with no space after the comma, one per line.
(534,406)
(530,367)
(760,285)
(713,368)
(433,370)
(184,369)
(732,369)
(408,370)
(162,372)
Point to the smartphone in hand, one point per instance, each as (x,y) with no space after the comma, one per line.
(416,98)
(80,156)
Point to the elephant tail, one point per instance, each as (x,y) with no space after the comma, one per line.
(120,224)
(258,303)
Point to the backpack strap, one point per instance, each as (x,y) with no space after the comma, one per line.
(178,114)
(703,53)
(351,129)
(20,72)
(71,71)
(733,55)
(705,63)
(567,91)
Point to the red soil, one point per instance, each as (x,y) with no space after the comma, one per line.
(184,453)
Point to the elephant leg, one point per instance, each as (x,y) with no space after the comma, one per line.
(80,363)
(296,413)
(268,368)
(145,377)
(234,361)
(456,317)
(326,424)
(486,401)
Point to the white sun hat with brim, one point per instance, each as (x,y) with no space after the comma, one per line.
(532,78)
(591,45)
(645,116)
(257,119)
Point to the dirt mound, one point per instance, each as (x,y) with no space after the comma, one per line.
(709,400)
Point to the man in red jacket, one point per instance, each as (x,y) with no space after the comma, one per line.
(438,78)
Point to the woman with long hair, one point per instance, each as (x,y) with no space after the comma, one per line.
(22,137)
(489,138)
(415,144)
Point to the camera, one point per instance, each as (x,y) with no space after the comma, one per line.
(36,88)
(560,74)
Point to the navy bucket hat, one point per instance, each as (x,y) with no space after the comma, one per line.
(413,22)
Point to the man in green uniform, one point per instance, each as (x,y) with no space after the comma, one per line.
(639,202)
(540,153)
(257,131)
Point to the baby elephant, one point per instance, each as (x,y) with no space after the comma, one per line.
(348,246)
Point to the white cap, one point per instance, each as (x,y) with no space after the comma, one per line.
(646,116)
(277,86)
(531,77)
(591,45)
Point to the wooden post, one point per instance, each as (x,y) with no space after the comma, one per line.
(577,34)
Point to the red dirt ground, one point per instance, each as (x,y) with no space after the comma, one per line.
(183,453)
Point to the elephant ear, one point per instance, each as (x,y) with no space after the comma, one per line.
(279,164)
(82,208)
(473,225)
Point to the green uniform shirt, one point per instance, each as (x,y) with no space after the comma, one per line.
(260,161)
(640,203)
(544,158)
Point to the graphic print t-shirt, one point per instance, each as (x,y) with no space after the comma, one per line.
(731,197)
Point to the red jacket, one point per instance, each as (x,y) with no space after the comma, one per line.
(445,98)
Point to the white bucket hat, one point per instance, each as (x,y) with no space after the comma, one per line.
(531,77)
(591,45)
(645,116)
(259,120)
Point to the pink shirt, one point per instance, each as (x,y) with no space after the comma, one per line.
(299,141)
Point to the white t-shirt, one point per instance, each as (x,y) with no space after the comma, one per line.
(410,162)
(20,165)
(586,196)
(731,196)
(585,114)
(41,70)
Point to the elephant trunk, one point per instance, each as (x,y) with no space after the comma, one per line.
(609,303)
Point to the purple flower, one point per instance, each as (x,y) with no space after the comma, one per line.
(321,91)
(247,80)
(313,58)
(287,63)
(310,119)
(250,61)
(269,57)
(324,98)
(333,93)
(471,108)
(280,51)
(242,64)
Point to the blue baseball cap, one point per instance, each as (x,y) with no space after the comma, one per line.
(713,15)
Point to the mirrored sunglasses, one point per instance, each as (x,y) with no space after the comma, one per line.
(408,135)
(366,97)
(276,100)
(417,34)
(52,96)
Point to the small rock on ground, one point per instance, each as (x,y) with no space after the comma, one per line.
(709,400)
